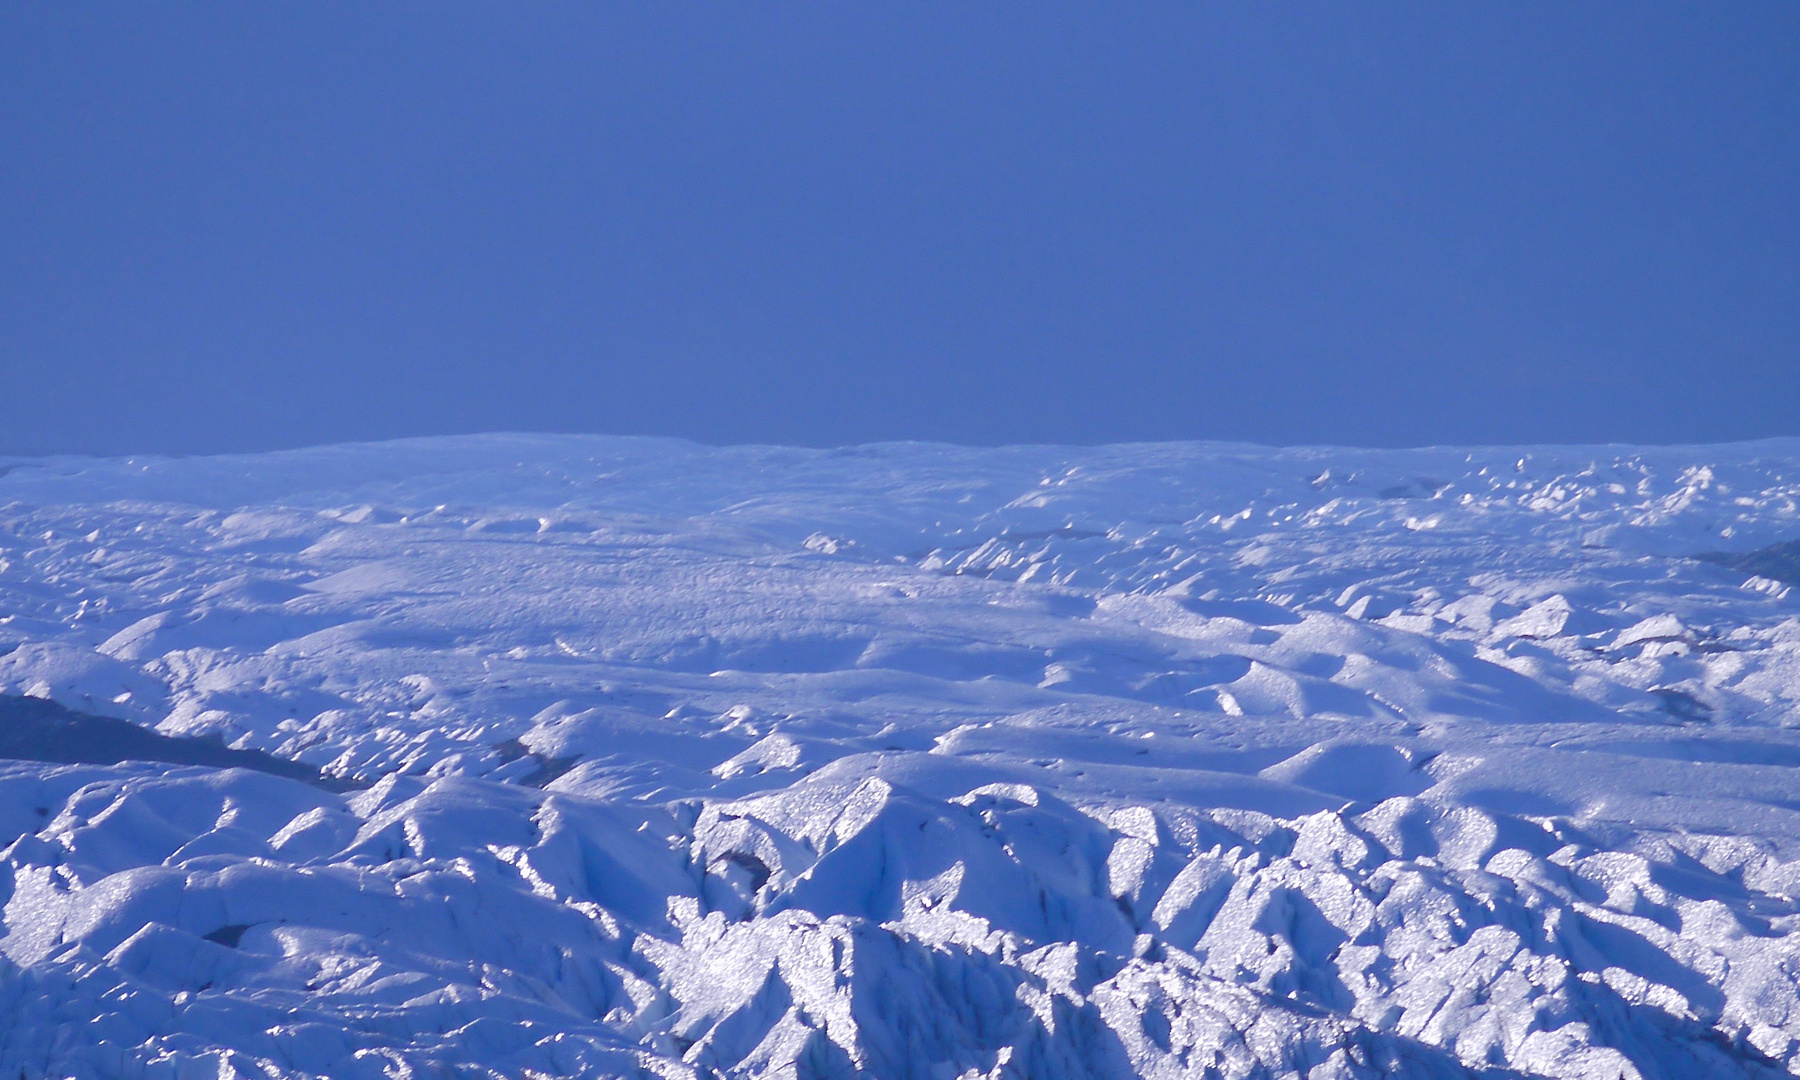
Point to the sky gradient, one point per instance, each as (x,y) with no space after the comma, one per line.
(229,227)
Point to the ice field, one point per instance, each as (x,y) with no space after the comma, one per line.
(513,756)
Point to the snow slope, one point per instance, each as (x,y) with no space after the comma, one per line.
(915,761)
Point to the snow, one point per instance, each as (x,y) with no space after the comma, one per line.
(905,761)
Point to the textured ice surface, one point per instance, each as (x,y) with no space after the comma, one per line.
(909,761)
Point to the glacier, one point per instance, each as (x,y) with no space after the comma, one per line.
(557,756)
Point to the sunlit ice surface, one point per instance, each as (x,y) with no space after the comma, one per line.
(564,756)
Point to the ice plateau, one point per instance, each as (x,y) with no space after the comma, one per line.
(521,756)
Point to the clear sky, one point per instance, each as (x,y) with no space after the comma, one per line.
(242,226)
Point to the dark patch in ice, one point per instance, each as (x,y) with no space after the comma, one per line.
(229,935)
(758,870)
(1424,487)
(1778,562)
(1066,605)
(33,729)
(1683,706)
(548,768)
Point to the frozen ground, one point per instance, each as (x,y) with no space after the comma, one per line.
(904,761)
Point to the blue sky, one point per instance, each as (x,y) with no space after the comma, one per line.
(235,227)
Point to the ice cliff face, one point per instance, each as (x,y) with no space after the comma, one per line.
(906,762)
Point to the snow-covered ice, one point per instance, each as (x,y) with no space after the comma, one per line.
(908,761)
